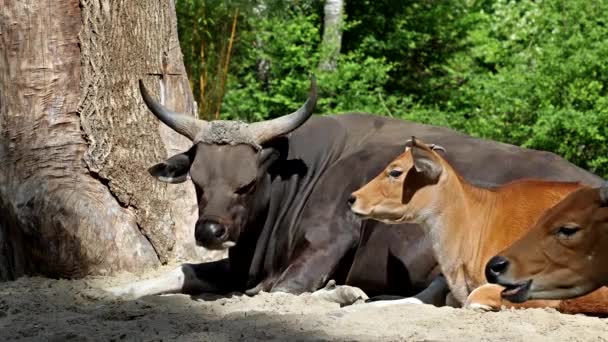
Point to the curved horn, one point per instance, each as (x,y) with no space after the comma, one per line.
(185,125)
(266,130)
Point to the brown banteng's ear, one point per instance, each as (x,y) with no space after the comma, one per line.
(409,143)
(604,194)
(436,147)
(425,162)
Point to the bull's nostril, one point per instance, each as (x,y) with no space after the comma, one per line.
(210,230)
(219,230)
(351,200)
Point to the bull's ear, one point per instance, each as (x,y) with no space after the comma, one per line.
(426,163)
(173,170)
(267,156)
(272,151)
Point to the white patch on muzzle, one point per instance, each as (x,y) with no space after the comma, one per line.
(228,244)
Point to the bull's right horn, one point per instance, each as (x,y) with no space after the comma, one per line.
(266,130)
(183,124)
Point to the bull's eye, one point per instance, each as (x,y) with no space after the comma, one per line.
(247,188)
(567,231)
(395,173)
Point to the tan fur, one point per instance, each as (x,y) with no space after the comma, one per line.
(566,266)
(466,224)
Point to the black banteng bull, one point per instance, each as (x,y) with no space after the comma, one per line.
(276,193)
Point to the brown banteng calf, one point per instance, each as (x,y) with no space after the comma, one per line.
(564,256)
(467,225)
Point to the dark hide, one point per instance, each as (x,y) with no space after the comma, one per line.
(305,233)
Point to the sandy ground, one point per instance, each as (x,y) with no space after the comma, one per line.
(38,309)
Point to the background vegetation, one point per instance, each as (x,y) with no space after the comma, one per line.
(531,73)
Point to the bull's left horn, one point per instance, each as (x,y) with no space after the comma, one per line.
(266,130)
(183,124)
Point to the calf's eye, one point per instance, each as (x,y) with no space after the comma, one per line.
(395,173)
(567,231)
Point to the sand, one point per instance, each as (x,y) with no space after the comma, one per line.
(40,309)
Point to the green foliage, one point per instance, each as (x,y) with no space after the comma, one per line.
(531,73)
(416,36)
(290,46)
(535,74)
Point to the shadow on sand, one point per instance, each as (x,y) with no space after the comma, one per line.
(38,309)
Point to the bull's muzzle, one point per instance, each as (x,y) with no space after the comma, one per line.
(211,233)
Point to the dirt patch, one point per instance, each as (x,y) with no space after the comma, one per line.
(62,310)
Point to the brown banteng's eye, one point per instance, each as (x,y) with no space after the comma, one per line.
(566,231)
(395,173)
(245,189)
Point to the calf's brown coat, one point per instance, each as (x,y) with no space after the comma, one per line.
(467,225)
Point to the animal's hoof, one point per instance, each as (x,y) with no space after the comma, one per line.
(331,285)
(120,292)
(411,300)
(255,290)
(343,295)
(93,292)
(479,306)
(486,297)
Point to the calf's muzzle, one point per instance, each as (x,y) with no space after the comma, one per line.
(495,268)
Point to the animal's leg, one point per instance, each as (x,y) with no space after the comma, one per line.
(434,294)
(384,303)
(187,278)
(264,285)
(486,297)
(310,270)
(450,300)
(343,295)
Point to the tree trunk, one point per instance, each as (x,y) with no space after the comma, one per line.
(76,139)
(260,11)
(332,34)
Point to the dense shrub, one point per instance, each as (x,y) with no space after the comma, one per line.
(535,74)
(531,73)
(290,49)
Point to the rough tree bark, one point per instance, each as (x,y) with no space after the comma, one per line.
(332,34)
(76,139)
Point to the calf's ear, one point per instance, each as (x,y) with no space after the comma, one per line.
(426,163)
(173,170)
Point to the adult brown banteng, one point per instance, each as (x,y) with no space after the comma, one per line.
(276,192)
